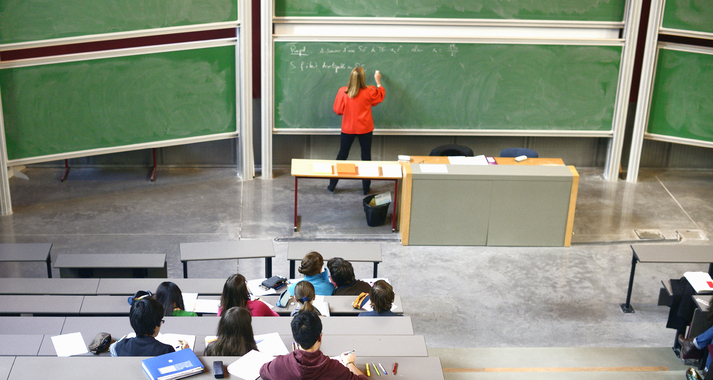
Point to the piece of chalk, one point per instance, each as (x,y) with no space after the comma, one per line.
(403,157)
(520,158)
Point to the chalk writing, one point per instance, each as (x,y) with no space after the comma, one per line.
(294,50)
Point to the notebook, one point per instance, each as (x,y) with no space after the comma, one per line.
(175,365)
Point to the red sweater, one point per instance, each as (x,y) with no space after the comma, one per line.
(303,365)
(356,111)
(257,309)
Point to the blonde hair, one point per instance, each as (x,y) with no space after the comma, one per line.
(356,81)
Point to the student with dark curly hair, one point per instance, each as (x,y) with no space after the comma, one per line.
(342,273)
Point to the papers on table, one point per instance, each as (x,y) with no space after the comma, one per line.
(257,290)
(322,168)
(207,306)
(368,169)
(69,344)
(174,340)
(391,171)
(271,344)
(700,281)
(462,160)
(320,305)
(433,168)
(189,301)
(248,367)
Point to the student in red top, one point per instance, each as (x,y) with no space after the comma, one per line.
(354,102)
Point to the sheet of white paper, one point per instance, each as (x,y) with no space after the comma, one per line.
(271,344)
(323,307)
(189,301)
(318,298)
(433,168)
(69,344)
(257,290)
(248,367)
(371,281)
(392,171)
(368,169)
(173,340)
(321,168)
(207,306)
(462,160)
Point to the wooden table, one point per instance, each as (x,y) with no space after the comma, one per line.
(669,254)
(225,250)
(30,252)
(302,168)
(472,218)
(347,250)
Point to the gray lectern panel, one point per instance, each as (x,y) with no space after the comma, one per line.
(449,212)
(529,213)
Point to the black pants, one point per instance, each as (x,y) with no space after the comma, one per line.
(345,145)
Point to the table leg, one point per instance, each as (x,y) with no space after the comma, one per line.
(66,171)
(268,267)
(626,307)
(153,171)
(376,269)
(393,217)
(185,269)
(295,226)
(292,269)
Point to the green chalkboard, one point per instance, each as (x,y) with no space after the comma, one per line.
(69,107)
(33,20)
(690,15)
(452,86)
(571,10)
(682,100)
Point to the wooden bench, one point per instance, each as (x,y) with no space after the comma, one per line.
(29,252)
(360,252)
(107,265)
(226,250)
(669,254)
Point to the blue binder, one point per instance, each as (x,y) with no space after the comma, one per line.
(175,365)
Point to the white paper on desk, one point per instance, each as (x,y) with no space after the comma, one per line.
(392,171)
(433,168)
(462,160)
(700,281)
(207,306)
(248,367)
(322,168)
(323,307)
(69,344)
(173,340)
(189,301)
(257,290)
(271,344)
(368,169)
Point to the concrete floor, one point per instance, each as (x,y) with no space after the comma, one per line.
(460,298)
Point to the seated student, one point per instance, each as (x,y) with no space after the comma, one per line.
(170,296)
(342,273)
(235,334)
(236,293)
(304,295)
(146,317)
(381,296)
(308,362)
(312,267)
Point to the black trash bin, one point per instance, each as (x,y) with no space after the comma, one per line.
(375,215)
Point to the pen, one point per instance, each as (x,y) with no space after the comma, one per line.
(376,370)
(395,366)
(382,369)
(367,370)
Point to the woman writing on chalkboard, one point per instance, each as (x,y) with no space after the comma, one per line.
(354,103)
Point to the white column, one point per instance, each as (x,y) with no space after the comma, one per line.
(244,77)
(267,83)
(5,202)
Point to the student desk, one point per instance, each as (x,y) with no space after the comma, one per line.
(36,304)
(32,325)
(338,305)
(348,251)
(129,286)
(666,253)
(225,250)
(6,363)
(21,344)
(32,252)
(530,203)
(105,265)
(302,168)
(122,368)
(49,286)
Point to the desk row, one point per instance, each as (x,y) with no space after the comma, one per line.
(117,305)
